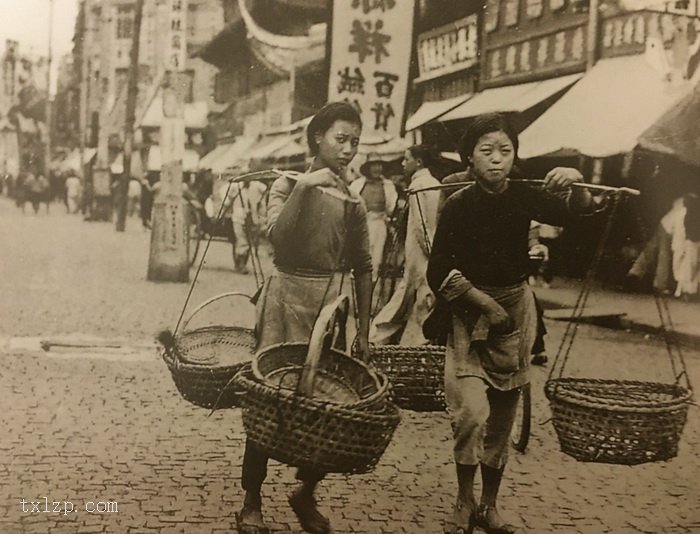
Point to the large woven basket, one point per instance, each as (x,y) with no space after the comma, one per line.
(416,374)
(327,411)
(617,422)
(204,360)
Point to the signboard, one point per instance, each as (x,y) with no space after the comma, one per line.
(370,56)
(564,49)
(447,49)
(177,36)
(627,34)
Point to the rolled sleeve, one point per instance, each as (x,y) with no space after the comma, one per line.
(454,286)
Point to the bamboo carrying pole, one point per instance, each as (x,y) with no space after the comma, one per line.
(584,185)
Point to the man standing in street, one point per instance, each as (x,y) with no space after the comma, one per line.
(380,196)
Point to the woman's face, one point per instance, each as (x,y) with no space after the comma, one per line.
(492,159)
(338,145)
(410,164)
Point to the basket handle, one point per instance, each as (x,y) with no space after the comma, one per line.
(329,314)
(209,301)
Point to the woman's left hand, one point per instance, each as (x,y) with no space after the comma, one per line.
(560,178)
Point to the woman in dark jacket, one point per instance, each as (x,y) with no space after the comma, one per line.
(479,264)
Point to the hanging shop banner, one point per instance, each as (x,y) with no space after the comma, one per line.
(177,35)
(370,56)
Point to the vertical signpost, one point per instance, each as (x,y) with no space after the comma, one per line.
(169,236)
(370,56)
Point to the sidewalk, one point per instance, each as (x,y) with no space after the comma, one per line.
(634,311)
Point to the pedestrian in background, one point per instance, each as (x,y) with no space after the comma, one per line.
(318,231)
(479,264)
(380,198)
(73,192)
(134,196)
(403,316)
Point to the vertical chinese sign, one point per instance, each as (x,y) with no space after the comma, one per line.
(168,259)
(370,56)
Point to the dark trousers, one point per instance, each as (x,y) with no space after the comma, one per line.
(541,329)
(255,469)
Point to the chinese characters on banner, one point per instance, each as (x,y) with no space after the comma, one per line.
(177,36)
(371,51)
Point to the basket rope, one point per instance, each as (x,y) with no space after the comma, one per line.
(677,361)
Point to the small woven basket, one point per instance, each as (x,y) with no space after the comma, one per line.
(617,422)
(203,361)
(416,375)
(315,407)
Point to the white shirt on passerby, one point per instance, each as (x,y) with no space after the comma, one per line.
(242,200)
(73,186)
(134,188)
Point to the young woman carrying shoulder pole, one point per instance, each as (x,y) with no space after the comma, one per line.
(479,264)
(318,231)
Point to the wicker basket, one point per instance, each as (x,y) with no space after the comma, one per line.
(331,414)
(204,361)
(416,375)
(617,422)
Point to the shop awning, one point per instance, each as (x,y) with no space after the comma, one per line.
(429,111)
(386,147)
(606,112)
(511,98)
(677,132)
(277,147)
(210,157)
(190,159)
(233,155)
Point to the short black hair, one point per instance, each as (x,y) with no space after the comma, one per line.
(426,153)
(482,125)
(325,118)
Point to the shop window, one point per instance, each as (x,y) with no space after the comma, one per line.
(511,12)
(491,15)
(125,21)
(534,8)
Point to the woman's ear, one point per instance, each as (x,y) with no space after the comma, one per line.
(317,138)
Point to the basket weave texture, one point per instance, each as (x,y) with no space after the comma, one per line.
(617,422)
(416,374)
(205,360)
(312,433)
(338,379)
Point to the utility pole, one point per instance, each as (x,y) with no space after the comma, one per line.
(47,156)
(84,74)
(133,91)
(168,259)
(102,204)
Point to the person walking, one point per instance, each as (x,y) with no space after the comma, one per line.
(73,192)
(134,196)
(479,265)
(318,231)
(401,319)
(380,197)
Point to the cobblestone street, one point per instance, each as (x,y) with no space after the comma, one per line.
(98,427)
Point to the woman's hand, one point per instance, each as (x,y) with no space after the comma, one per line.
(498,317)
(560,178)
(320,178)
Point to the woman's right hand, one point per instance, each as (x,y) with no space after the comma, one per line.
(320,178)
(499,319)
